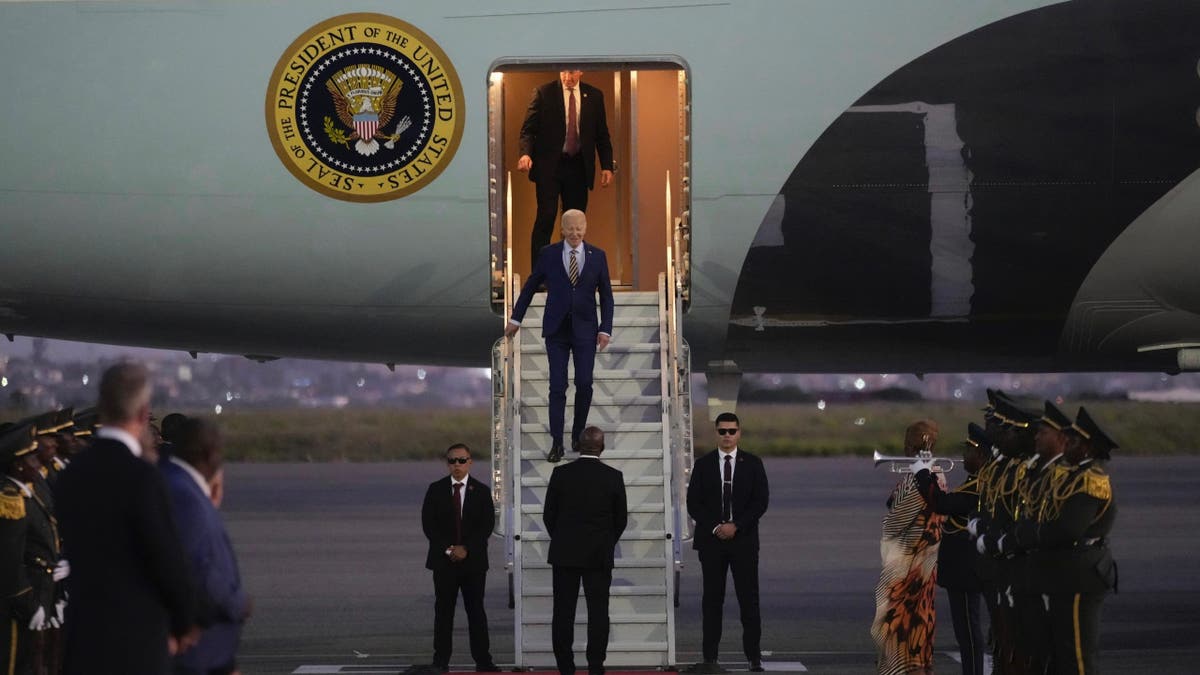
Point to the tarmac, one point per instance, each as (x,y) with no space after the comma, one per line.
(333,555)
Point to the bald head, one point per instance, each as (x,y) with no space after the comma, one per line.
(591,441)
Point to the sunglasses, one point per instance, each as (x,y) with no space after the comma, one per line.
(727,432)
(457,460)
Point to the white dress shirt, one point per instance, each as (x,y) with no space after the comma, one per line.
(191,471)
(134,445)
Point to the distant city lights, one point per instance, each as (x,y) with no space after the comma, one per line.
(821,404)
(420,373)
(217,409)
(85,379)
(860,383)
(3,381)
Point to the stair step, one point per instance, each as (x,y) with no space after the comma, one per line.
(534,428)
(609,456)
(581,618)
(597,401)
(648,507)
(640,563)
(613,348)
(614,592)
(648,535)
(539,482)
(601,374)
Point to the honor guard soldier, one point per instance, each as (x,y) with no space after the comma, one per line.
(1074,563)
(16,595)
(999,508)
(1036,474)
(956,565)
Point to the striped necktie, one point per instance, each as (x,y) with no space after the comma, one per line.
(573,269)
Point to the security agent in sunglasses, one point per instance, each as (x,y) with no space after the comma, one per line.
(726,496)
(458,517)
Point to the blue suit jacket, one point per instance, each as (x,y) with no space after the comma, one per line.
(562,299)
(214,571)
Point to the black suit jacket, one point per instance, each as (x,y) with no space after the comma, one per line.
(437,519)
(750,497)
(585,513)
(545,130)
(129,582)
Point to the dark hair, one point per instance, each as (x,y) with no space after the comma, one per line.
(457,446)
(195,440)
(727,417)
(171,424)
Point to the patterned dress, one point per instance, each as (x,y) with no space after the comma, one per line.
(904,600)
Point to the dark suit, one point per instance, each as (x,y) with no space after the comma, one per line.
(542,137)
(585,514)
(467,576)
(129,582)
(214,570)
(738,555)
(569,326)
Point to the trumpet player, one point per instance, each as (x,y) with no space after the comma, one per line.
(904,605)
(956,569)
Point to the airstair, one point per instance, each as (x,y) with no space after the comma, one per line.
(641,400)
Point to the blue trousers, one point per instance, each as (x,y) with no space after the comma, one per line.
(560,346)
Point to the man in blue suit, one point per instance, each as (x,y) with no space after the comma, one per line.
(573,273)
(224,605)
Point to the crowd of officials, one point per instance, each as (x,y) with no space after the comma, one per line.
(1025,535)
(113,556)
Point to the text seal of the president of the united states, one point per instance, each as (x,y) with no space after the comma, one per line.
(365,107)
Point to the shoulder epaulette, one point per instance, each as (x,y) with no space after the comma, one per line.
(1096,485)
(12,504)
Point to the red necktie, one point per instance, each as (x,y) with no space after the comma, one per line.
(572,126)
(727,492)
(458,513)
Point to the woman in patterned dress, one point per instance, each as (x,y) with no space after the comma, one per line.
(904,599)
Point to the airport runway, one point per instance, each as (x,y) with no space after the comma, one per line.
(333,555)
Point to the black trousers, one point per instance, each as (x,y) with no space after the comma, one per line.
(715,562)
(569,184)
(447,585)
(15,654)
(968,629)
(1075,632)
(1033,620)
(596,582)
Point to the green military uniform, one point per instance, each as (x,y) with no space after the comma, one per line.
(1074,564)
(16,594)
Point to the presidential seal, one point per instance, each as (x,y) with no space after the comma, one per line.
(365,108)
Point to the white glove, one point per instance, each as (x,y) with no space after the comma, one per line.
(981,545)
(1000,544)
(921,465)
(973,527)
(1008,592)
(38,622)
(62,570)
(59,608)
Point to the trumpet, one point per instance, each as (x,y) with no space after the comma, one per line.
(903,464)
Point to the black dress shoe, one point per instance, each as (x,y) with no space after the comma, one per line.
(706,668)
(756,666)
(556,454)
(488,668)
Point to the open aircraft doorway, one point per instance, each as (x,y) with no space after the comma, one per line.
(648,112)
